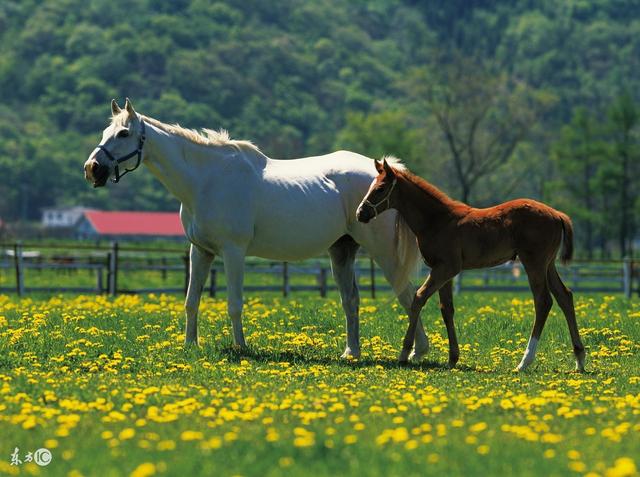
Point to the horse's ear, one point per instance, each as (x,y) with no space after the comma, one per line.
(379,166)
(115,109)
(387,168)
(129,107)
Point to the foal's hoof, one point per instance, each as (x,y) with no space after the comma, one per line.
(350,354)
(403,359)
(580,357)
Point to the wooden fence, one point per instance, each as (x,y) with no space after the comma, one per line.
(113,266)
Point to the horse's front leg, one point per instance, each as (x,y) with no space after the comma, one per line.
(437,278)
(199,265)
(233,257)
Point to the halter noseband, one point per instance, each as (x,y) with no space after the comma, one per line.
(386,198)
(119,160)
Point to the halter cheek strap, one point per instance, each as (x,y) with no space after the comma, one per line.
(119,160)
(386,198)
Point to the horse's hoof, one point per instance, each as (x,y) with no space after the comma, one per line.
(452,364)
(403,362)
(418,354)
(350,354)
(191,342)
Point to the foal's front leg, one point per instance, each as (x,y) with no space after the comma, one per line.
(446,309)
(199,265)
(437,278)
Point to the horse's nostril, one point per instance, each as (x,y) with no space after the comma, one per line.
(94,167)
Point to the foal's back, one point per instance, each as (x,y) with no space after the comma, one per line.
(519,227)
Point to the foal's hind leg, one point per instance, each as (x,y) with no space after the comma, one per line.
(564,297)
(542,299)
(343,255)
(446,309)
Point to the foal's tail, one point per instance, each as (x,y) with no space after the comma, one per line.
(567,238)
(408,255)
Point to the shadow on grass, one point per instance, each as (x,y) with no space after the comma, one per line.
(234,354)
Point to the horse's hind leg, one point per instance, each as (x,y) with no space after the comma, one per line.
(564,297)
(421,344)
(447,310)
(542,299)
(233,257)
(343,255)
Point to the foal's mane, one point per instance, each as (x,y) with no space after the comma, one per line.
(425,186)
(208,137)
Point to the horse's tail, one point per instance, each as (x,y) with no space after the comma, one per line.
(567,238)
(408,255)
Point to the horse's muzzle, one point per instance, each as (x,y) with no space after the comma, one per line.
(364,214)
(96,173)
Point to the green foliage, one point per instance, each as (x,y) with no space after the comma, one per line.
(298,78)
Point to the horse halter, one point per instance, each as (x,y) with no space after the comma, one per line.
(386,198)
(119,160)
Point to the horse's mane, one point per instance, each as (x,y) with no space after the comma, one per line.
(425,186)
(208,137)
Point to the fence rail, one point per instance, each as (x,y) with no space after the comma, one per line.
(119,270)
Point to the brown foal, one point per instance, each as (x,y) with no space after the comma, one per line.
(453,236)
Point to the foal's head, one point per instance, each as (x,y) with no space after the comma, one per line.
(119,149)
(378,198)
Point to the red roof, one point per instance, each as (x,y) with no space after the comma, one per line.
(135,223)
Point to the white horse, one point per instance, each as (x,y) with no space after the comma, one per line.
(237,202)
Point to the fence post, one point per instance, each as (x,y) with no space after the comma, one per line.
(372,272)
(113,269)
(99,280)
(213,284)
(187,261)
(323,282)
(17,257)
(285,279)
(626,277)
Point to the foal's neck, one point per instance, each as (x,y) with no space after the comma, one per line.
(423,205)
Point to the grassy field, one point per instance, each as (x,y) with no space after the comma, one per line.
(107,386)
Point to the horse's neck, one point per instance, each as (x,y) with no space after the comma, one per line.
(422,208)
(164,158)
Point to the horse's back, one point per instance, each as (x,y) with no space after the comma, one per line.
(303,205)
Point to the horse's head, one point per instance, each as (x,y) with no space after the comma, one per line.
(378,198)
(120,147)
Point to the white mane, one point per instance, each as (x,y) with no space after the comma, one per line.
(395,163)
(208,137)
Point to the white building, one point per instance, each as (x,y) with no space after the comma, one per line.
(61,216)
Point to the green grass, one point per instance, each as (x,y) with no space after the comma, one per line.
(108,386)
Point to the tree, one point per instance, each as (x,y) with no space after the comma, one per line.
(378,134)
(578,155)
(624,119)
(482,115)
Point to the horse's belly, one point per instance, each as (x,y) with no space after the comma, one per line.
(300,230)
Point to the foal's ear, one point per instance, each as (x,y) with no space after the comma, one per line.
(379,166)
(387,168)
(115,109)
(129,107)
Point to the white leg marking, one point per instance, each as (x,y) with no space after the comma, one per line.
(529,354)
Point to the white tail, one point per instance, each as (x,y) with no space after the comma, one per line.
(408,255)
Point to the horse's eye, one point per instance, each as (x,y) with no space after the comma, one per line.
(123,133)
